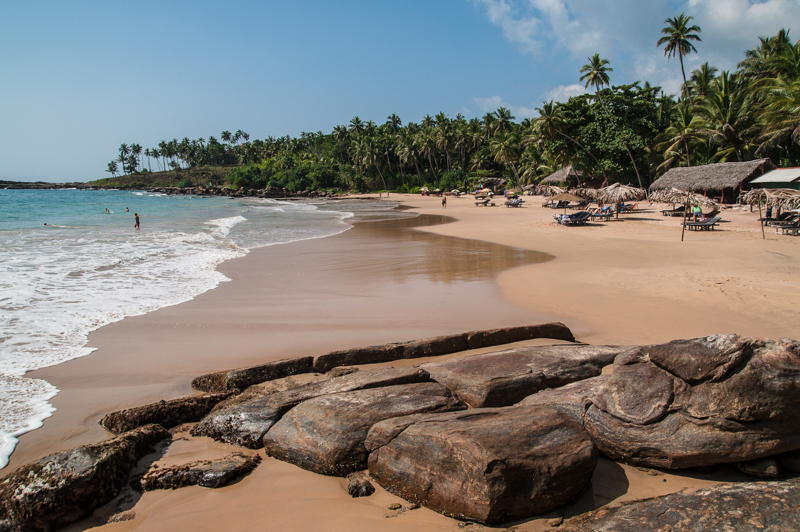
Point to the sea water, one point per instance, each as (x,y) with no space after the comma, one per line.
(68,267)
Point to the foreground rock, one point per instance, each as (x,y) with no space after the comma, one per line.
(748,506)
(205,473)
(440,345)
(239,379)
(571,400)
(505,378)
(62,488)
(326,434)
(245,424)
(699,402)
(168,414)
(486,465)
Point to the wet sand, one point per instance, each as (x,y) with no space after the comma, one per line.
(623,282)
(378,282)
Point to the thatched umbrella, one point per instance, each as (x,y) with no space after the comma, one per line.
(619,193)
(785,198)
(674,195)
(565,196)
(585,193)
(548,190)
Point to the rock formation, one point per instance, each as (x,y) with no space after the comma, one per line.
(245,424)
(505,378)
(744,506)
(168,414)
(699,402)
(326,434)
(205,473)
(489,465)
(62,488)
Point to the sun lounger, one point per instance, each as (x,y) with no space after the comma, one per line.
(581,205)
(483,203)
(674,212)
(787,228)
(579,218)
(629,208)
(704,225)
(516,202)
(785,218)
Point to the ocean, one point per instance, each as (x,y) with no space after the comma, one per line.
(68,267)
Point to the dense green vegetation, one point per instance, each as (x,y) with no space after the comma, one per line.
(627,133)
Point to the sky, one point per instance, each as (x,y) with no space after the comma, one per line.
(79,78)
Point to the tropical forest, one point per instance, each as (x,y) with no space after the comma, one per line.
(617,133)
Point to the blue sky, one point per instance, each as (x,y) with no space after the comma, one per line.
(78,78)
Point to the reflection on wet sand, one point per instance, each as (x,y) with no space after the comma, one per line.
(435,257)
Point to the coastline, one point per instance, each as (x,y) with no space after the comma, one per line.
(627,282)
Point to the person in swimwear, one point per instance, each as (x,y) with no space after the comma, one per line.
(136,223)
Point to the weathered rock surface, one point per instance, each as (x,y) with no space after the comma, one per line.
(440,345)
(205,473)
(507,377)
(62,488)
(245,424)
(699,402)
(359,486)
(326,434)
(241,378)
(168,414)
(744,507)
(766,468)
(490,465)
(571,400)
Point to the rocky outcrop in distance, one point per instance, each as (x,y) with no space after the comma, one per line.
(205,473)
(699,402)
(743,506)
(485,465)
(65,487)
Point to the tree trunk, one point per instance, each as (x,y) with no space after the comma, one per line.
(689,94)
(634,166)
(688,160)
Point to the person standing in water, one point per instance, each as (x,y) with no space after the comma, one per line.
(136,222)
(127,209)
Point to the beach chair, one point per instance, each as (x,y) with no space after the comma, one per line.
(784,218)
(674,212)
(581,205)
(787,228)
(483,203)
(579,218)
(601,214)
(513,202)
(629,208)
(705,225)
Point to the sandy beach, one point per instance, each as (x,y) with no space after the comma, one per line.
(623,282)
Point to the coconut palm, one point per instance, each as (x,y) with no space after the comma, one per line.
(685,130)
(226,136)
(781,116)
(595,73)
(677,40)
(503,122)
(505,149)
(112,168)
(700,84)
(728,112)
(549,124)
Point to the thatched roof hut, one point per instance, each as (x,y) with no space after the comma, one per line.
(568,174)
(721,179)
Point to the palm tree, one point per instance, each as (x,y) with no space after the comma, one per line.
(595,73)
(677,37)
(504,148)
(781,117)
(226,136)
(727,111)
(112,168)
(394,122)
(685,130)
(701,79)
(503,122)
(356,125)
(136,152)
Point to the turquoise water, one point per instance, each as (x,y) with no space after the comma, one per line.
(86,268)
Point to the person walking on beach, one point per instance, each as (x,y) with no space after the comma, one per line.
(136,221)
(444,202)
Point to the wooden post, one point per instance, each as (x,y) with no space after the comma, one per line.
(685,212)
(761,218)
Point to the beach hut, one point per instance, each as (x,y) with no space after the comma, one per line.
(722,181)
(567,175)
(786,178)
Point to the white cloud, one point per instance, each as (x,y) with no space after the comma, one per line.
(562,93)
(492,103)
(520,30)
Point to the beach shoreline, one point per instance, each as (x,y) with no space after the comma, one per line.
(623,282)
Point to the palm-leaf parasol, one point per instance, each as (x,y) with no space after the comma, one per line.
(619,193)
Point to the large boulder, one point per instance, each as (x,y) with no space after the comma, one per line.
(241,378)
(168,414)
(747,506)
(490,465)
(571,400)
(65,487)
(326,434)
(506,377)
(507,335)
(245,423)
(699,402)
(205,473)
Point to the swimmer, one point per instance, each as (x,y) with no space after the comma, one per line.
(136,223)
(127,209)
(45,223)
(107,211)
